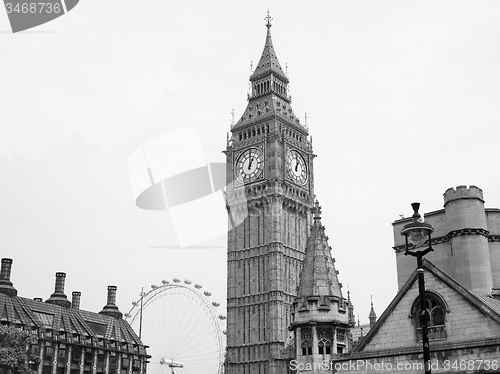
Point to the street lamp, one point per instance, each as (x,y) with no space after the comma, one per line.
(418,233)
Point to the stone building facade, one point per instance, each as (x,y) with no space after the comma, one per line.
(69,340)
(461,298)
(464,331)
(466,241)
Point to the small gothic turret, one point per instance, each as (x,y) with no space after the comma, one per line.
(110,309)
(372,316)
(350,306)
(58,297)
(321,316)
(6,286)
(319,277)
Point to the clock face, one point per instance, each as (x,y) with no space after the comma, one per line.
(249,165)
(296,167)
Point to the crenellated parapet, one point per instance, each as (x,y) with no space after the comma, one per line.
(464,240)
(463,192)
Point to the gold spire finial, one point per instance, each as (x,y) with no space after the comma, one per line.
(268,19)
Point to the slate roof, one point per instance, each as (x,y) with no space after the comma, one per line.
(270,104)
(53,318)
(318,276)
(489,301)
(268,62)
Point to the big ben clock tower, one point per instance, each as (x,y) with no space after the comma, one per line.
(270,201)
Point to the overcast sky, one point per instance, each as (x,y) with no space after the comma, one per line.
(401,98)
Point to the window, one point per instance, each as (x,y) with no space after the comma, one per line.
(306,343)
(435,314)
(341,335)
(76,355)
(88,362)
(324,342)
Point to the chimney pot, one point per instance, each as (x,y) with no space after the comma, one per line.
(112,295)
(110,309)
(60,280)
(58,297)
(6,268)
(75,301)
(6,286)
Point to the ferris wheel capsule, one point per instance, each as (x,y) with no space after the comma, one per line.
(176,280)
(198,286)
(206,293)
(165,282)
(215,304)
(222,318)
(187,281)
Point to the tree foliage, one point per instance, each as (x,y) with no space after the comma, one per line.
(15,353)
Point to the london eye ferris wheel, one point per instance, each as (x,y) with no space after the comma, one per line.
(182,327)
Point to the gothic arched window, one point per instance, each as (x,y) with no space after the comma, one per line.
(306,343)
(324,342)
(435,310)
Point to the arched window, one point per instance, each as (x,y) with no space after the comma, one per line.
(435,311)
(324,342)
(306,343)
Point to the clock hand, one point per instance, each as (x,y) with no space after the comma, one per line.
(250,164)
(296,165)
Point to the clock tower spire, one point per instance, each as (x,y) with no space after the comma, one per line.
(270,198)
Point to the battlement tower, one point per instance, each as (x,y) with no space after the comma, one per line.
(465,241)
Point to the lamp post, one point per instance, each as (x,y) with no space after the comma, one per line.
(418,233)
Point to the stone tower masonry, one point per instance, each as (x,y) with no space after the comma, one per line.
(466,241)
(270,197)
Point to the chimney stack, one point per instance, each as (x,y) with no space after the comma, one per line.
(110,309)
(75,301)
(58,297)
(6,286)
(112,295)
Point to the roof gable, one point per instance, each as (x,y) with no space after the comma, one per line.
(470,316)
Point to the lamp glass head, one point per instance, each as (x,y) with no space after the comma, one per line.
(418,236)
